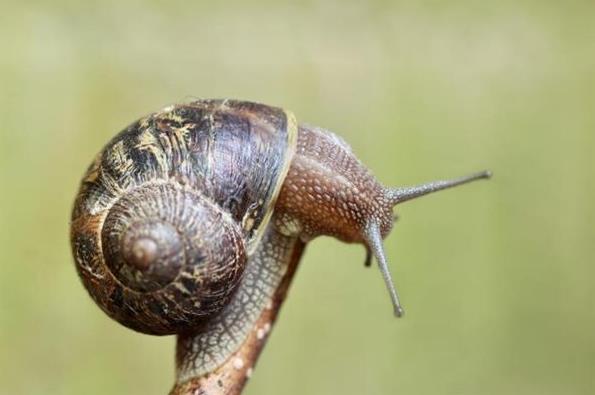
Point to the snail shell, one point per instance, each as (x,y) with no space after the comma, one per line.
(173,206)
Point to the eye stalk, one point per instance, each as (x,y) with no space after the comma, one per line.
(402,194)
(373,235)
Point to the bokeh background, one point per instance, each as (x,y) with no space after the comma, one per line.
(497,278)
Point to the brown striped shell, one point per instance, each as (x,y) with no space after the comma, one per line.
(173,206)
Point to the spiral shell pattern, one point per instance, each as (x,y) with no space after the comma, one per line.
(172,259)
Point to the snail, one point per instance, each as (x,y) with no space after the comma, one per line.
(187,221)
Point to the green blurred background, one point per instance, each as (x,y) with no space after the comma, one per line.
(497,278)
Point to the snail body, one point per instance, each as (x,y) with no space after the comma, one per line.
(187,220)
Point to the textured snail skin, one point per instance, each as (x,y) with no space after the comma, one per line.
(329,192)
(230,377)
(211,345)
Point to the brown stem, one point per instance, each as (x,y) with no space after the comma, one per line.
(231,377)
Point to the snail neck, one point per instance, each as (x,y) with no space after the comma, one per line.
(328,191)
(247,318)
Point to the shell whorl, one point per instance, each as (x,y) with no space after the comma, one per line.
(144,241)
(169,259)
